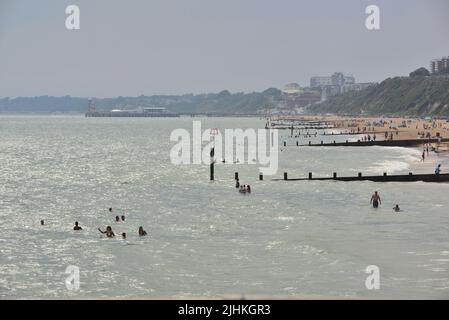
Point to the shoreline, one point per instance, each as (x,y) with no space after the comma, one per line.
(404,128)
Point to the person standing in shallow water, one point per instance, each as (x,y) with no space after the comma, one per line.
(77,227)
(375,200)
(109,233)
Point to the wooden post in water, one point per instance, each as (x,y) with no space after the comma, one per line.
(297,143)
(360,174)
(236,176)
(212,171)
(310,143)
(285,176)
(385,174)
(212,162)
(285,144)
(261,176)
(310,175)
(335,175)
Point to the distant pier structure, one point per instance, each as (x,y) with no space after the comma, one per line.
(142,112)
(91,107)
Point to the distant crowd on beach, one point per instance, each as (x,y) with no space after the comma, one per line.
(108,231)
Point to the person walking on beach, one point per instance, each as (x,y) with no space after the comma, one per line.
(438,169)
(109,233)
(375,200)
(423,156)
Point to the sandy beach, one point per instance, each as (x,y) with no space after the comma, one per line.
(400,128)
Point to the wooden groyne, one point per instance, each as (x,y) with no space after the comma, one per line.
(357,133)
(299,128)
(382,143)
(383,178)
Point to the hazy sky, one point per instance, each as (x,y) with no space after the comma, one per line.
(150,47)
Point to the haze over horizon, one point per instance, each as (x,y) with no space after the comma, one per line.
(197,46)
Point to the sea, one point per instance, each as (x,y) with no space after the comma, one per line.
(288,239)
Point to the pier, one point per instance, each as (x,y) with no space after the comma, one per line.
(124,114)
(383,178)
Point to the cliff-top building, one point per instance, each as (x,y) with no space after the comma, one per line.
(440,66)
(335,84)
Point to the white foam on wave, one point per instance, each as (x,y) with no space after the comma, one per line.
(388,166)
(398,159)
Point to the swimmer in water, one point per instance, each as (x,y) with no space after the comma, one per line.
(142,232)
(77,227)
(109,233)
(123,218)
(375,200)
(117,219)
(110,209)
(124,235)
(248,189)
(396,208)
(42,222)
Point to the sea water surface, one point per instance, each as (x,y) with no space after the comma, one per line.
(295,239)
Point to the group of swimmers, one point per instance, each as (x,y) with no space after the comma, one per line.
(242,189)
(108,232)
(376,201)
